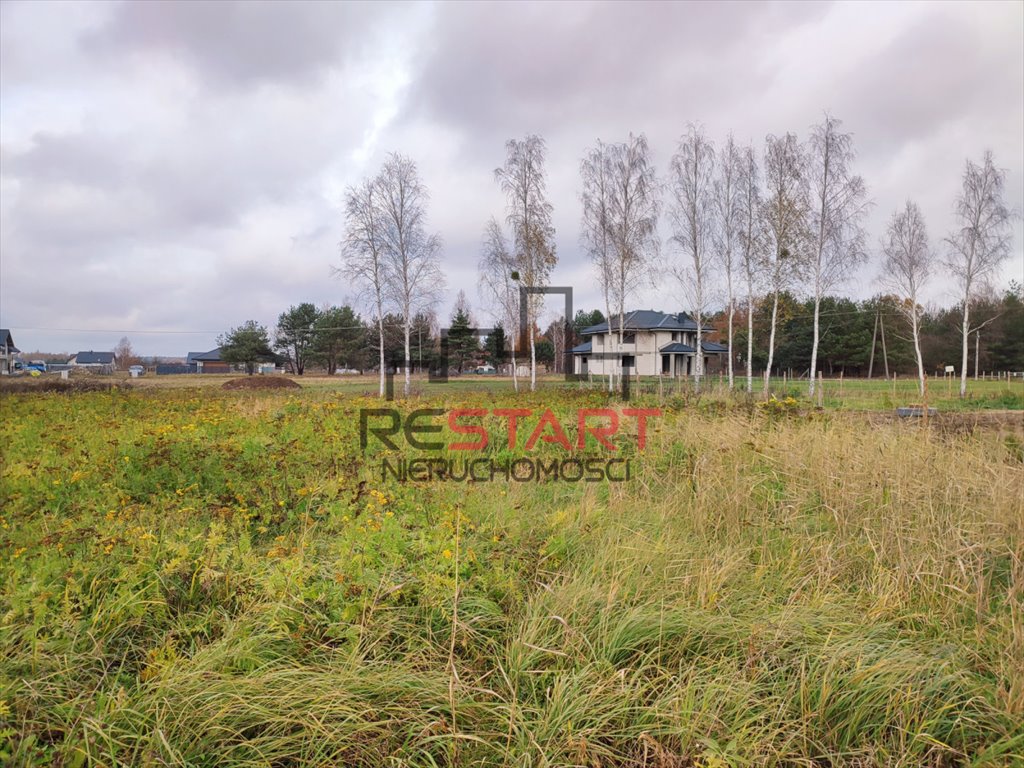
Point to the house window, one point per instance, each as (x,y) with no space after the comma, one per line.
(628,361)
(629,338)
(675,337)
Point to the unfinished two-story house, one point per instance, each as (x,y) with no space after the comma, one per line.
(653,344)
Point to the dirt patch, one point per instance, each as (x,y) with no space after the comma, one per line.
(261,382)
(40,384)
(961,422)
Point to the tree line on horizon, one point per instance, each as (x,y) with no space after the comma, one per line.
(856,338)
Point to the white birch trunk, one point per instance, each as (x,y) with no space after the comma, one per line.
(533,361)
(609,369)
(917,350)
(408,362)
(380,330)
(750,342)
(966,340)
(515,376)
(732,312)
(771,342)
(698,367)
(622,336)
(814,344)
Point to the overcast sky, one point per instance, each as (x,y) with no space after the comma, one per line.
(180,166)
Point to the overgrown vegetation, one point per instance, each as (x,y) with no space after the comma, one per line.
(210,578)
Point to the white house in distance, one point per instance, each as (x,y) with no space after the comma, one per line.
(654,344)
(96,361)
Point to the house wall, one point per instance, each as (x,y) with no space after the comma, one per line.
(104,368)
(645,352)
(212,366)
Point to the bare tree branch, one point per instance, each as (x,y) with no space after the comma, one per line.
(785,212)
(496,269)
(693,220)
(983,241)
(362,251)
(596,229)
(752,244)
(524,182)
(907,265)
(840,202)
(414,280)
(728,233)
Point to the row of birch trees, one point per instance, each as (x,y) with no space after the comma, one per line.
(743,221)
(786,216)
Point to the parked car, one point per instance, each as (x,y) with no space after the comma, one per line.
(36,365)
(346,372)
(136,370)
(485,369)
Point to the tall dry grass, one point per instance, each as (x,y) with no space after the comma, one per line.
(769,590)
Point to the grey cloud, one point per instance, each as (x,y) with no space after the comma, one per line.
(205,174)
(511,69)
(237,43)
(909,90)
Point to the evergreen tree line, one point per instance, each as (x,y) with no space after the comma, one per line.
(337,338)
(850,330)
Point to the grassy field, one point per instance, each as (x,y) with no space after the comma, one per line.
(208,578)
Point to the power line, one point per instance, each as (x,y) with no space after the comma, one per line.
(196,332)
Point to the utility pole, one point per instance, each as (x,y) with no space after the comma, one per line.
(874,336)
(885,354)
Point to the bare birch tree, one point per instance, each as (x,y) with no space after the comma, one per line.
(906,268)
(498,285)
(728,231)
(752,242)
(413,275)
(983,240)
(840,202)
(363,255)
(632,221)
(693,219)
(528,214)
(785,211)
(595,229)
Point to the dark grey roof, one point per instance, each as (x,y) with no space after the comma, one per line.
(94,358)
(646,320)
(583,349)
(213,356)
(7,340)
(676,348)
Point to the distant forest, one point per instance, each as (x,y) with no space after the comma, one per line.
(339,338)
